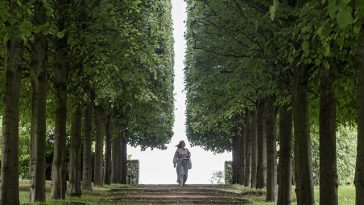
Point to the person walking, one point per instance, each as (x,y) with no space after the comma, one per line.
(182,162)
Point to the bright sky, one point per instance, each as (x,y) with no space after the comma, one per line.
(156,166)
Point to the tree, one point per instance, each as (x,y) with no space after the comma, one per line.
(262,148)
(221,78)
(87,143)
(99,146)
(74,172)
(39,80)
(359,173)
(116,54)
(108,143)
(271,151)
(10,133)
(285,156)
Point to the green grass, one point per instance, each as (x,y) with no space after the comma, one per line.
(85,199)
(346,196)
(89,198)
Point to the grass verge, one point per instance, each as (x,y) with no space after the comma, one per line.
(346,196)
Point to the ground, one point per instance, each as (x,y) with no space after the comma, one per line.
(173,194)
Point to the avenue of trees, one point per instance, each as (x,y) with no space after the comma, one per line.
(281,85)
(81,80)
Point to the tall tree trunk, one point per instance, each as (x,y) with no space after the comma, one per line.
(303,159)
(262,151)
(271,151)
(38,76)
(241,168)
(359,171)
(124,159)
(235,157)
(59,165)
(116,160)
(328,165)
(285,156)
(108,150)
(10,142)
(74,185)
(61,69)
(248,147)
(87,143)
(99,147)
(254,150)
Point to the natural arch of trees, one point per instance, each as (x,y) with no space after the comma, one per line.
(75,72)
(263,78)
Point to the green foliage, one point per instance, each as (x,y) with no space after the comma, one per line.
(346,151)
(346,154)
(237,55)
(120,56)
(133,172)
(228,170)
(226,71)
(24,155)
(361,8)
(273,9)
(217,177)
(341,10)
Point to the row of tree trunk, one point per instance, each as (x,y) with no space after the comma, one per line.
(80,154)
(258,165)
(258,141)
(109,167)
(294,116)
(254,143)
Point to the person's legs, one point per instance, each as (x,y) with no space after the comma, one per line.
(184,179)
(181,180)
(178,174)
(181,177)
(185,174)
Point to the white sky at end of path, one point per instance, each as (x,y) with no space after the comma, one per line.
(155,166)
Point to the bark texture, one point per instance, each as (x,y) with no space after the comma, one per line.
(248,148)
(107,178)
(59,164)
(124,160)
(262,149)
(87,143)
(116,160)
(235,157)
(38,76)
(10,128)
(74,172)
(98,174)
(254,150)
(328,164)
(285,156)
(359,171)
(303,158)
(61,69)
(241,168)
(271,151)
